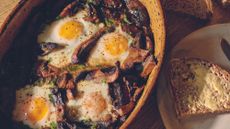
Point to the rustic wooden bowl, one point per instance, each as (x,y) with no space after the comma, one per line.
(22,12)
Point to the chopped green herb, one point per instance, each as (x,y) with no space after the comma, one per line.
(94,126)
(53,125)
(75,67)
(51,98)
(150,49)
(103,81)
(52,82)
(109,22)
(98,65)
(86,122)
(90,1)
(49,60)
(130,42)
(126,20)
(58,18)
(39,82)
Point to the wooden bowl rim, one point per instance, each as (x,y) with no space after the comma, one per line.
(148,88)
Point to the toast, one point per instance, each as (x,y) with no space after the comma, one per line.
(199,8)
(199,87)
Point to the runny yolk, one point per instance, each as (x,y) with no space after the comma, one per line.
(38,109)
(71,30)
(95,103)
(115,43)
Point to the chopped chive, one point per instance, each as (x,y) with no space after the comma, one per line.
(75,67)
(103,81)
(53,125)
(109,22)
(130,42)
(58,18)
(51,99)
(126,20)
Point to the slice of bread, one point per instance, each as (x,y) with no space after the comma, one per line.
(199,8)
(199,87)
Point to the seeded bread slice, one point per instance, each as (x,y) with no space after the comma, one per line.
(199,87)
(199,8)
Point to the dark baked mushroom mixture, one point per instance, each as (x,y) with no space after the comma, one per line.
(93,63)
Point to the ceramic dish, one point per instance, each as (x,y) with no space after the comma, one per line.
(204,44)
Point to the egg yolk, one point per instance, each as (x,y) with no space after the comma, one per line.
(95,103)
(38,109)
(115,44)
(71,30)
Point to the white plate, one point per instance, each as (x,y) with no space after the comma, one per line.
(205,44)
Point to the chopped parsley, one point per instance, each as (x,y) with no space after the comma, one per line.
(103,81)
(75,67)
(49,60)
(130,42)
(51,98)
(52,82)
(98,65)
(94,126)
(58,18)
(53,125)
(109,22)
(90,1)
(126,20)
(86,122)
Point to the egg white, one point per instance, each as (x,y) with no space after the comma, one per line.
(62,57)
(27,94)
(86,88)
(100,56)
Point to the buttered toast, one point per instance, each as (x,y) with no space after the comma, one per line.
(199,87)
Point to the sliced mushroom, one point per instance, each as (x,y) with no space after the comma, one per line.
(139,41)
(112,9)
(45,70)
(80,74)
(69,94)
(125,109)
(92,17)
(148,66)
(50,47)
(149,43)
(120,93)
(137,93)
(138,12)
(113,4)
(65,80)
(66,125)
(136,55)
(71,9)
(149,38)
(58,102)
(130,29)
(109,75)
(81,52)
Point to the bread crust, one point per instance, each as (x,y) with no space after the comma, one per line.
(202,8)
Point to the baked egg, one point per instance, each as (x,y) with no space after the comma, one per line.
(110,48)
(92,102)
(69,32)
(34,107)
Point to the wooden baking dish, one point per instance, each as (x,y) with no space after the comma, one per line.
(18,25)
